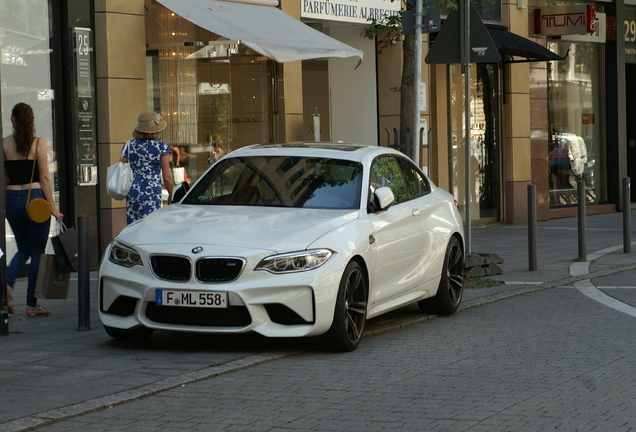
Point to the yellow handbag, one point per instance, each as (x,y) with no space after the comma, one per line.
(38,210)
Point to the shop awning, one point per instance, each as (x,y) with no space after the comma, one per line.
(512,45)
(265,29)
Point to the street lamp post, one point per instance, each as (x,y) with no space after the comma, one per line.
(417,77)
(465,57)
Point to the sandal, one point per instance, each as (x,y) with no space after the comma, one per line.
(36,310)
(10,300)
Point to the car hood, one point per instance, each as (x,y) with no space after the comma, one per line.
(268,228)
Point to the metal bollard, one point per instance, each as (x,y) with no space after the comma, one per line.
(532,227)
(83,275)
(582,222)
(627,216)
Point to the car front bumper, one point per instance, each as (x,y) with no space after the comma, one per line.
(274,305)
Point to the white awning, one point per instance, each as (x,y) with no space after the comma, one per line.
(267,30)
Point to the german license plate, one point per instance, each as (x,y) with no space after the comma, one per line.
(205,299)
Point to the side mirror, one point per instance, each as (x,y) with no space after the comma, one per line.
(384,198)
(179,192)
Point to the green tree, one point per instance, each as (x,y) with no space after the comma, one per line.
(388,31)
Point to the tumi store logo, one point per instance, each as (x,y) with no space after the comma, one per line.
(565,20)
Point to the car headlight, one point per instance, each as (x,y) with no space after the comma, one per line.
(124,255)
(295,261)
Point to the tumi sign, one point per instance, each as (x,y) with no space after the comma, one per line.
(565,20)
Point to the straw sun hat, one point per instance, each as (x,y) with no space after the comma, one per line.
(150,122)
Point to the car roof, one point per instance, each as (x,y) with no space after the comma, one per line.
(347,151)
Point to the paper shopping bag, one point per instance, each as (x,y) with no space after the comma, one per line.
(65,247)
(50,283)
(178,175)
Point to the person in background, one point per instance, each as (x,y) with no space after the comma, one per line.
(21,151)
(217,151)
(148,157)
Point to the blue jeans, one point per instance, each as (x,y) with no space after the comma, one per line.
(30,238)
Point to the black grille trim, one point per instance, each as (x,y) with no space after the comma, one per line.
(171,267)
(218,269)
(233,316)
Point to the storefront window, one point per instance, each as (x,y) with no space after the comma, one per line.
(574,123)
(214,93)
(484,141)
(25,43)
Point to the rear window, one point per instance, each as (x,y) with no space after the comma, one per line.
(280,181)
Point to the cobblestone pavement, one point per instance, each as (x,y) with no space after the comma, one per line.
(544,349)
(553,359)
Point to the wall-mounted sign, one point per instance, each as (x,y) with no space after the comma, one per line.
(351,11)
(85,139)
(589,119)
(598,36)
(629,32)
(565,20)
(213,88)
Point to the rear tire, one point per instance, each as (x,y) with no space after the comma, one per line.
(451,285)
(135,334)
(350,313)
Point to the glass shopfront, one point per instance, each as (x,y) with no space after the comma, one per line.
(25,74)
(574,115)
(485,148)
(215,94)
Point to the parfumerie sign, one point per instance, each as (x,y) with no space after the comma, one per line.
(352,11)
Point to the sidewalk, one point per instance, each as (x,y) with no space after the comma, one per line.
(557,254)
(51,370)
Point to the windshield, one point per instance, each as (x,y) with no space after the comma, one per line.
(280,181)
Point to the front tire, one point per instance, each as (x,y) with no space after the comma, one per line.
(350,314)
(135,334)
(451,285)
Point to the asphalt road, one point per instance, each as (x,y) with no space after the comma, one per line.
(551,359)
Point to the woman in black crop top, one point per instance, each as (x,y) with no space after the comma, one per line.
(19,150)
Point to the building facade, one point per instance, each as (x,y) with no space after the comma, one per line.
(89,67)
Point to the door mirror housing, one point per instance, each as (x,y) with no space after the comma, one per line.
(180,191)
(384,198)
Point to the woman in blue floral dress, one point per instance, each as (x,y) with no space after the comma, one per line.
(148,157)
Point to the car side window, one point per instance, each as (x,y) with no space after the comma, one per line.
(416,184)
(386,172)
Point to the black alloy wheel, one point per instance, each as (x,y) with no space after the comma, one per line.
(350,314)
(451,286)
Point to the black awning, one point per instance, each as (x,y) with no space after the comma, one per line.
(512,45)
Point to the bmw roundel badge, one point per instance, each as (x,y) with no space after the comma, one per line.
(197,249)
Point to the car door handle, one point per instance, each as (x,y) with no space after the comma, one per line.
(417,212)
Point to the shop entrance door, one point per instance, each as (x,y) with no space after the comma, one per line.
(485,143)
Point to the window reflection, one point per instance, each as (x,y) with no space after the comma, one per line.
(280,182)
(484,171)
(215,94)
(574,124)
(25,47)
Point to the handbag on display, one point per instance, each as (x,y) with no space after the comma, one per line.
(65,247)
(50,283)
(119,177)
(38,210)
